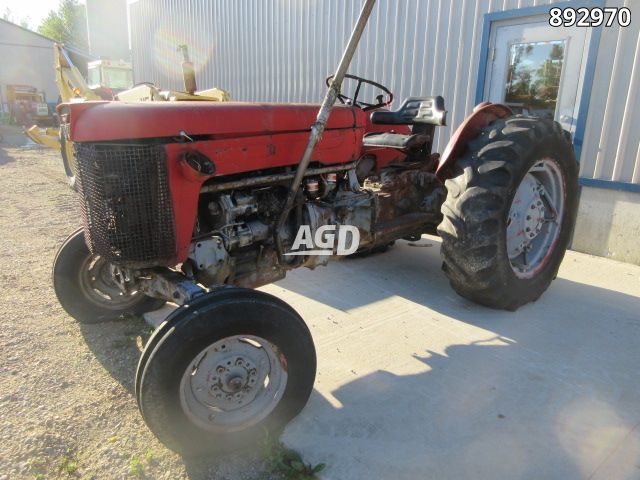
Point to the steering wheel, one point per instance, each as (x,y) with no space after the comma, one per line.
(382,102)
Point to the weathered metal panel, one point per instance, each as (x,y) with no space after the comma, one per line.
(282,50)
(612,135)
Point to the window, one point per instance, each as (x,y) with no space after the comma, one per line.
(533,77)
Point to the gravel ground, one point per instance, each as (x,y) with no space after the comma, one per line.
(67,408)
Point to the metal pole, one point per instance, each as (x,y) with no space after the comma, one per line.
(325,109)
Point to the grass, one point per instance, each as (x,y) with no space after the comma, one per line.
(149,456)
(38,467)
(136,468)
(287,462)
(68,464)
(138,464)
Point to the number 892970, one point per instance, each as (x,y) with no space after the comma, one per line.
(589,17)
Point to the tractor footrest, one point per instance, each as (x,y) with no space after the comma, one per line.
(395,140)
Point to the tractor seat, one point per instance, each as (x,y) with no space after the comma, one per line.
(395,140)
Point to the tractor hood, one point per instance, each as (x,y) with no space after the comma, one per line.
(105,121)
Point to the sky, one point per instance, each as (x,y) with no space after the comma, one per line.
(33,11)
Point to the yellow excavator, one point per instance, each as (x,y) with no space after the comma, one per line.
(73,88)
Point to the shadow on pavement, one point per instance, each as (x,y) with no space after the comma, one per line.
(117,346)
(4,156)
(414,273)
(549,391)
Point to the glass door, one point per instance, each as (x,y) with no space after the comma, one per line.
(537,69)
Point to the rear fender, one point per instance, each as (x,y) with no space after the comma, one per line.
(483,115)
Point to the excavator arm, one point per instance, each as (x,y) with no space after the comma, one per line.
(70,82)
(73,88)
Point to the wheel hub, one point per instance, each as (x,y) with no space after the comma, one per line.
(526,216)
(233,382)
(535,218)
(233,385)
(533,224)
(99,285)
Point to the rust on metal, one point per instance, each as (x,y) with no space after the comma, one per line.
(403,190)
(483,114)
(271,179)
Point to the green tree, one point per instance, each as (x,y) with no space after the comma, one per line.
(548,76)
(519,75)
(67,25)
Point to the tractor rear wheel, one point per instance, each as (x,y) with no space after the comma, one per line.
(232,367)
(85,288)
(509,213)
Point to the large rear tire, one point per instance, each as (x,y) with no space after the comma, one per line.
(234,365)
(510,211)
(85,290)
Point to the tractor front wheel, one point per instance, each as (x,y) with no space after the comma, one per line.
(86,290)
(229,368)
(509,213)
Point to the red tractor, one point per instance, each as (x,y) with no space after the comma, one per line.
(196,203)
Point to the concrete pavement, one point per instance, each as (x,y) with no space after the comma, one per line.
(415,382)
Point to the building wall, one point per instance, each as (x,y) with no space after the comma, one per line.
(609,220)
(281,50)
(608,224)
(107,29)
(611,149)
(26,58)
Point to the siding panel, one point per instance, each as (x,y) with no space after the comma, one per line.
(282,50)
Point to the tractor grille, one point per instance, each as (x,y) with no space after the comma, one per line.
(126,203)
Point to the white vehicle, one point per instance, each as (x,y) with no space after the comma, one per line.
(116,75)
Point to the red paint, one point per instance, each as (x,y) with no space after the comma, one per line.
(483,114)
(248,154)
(240,137)
(245,137)
(244,155)
(104,121)
(184,194)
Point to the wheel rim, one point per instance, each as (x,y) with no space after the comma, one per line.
(535,218)
(97,285)
(233,384)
